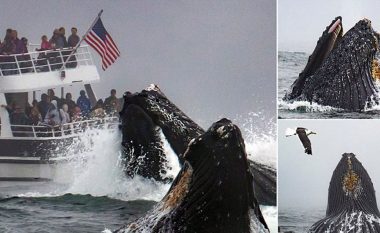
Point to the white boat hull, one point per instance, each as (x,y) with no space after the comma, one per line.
(26,169)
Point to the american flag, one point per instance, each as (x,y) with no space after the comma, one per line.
(99,39)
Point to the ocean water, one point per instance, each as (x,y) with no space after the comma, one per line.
(290,64)
(299,220)
(91,194)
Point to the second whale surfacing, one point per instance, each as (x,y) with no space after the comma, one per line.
(213,191)
(352,205)
(339,72)
(179,130)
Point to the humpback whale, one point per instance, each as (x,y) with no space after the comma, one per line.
(142,146)
(352,203)
(339,71)
(213,192)
(179,130)
(177,127)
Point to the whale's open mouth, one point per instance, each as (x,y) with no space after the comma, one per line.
(336,27)
(326,43)
(329,39)
(341,71)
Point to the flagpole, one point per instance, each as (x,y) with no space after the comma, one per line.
(77,46)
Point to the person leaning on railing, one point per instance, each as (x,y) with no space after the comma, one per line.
(17,119)
(9,108)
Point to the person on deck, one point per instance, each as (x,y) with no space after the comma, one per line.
(77,115)
(65,117)
(8,34)
(35,115)
(73,39)
(43,105)
(70,103)
(8,47)
(18,43)
(18,117)
(84,104)
(54,39)
(53,116)
(98,110)
(61,41)
(45,44)
(52,97)
(10,108)
(24,60)
(111,104)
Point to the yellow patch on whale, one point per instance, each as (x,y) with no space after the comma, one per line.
(351,181)
(375,69)
(177,194)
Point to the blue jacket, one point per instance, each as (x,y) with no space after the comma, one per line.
(84,104)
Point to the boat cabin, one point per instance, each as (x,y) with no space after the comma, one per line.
(22,75)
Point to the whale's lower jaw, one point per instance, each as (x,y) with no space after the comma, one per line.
(348,222)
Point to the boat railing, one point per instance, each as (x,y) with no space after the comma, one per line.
(44,61)
(62,130)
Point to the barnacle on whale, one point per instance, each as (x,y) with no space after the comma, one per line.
(351,181)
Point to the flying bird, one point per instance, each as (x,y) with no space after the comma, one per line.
(303,134)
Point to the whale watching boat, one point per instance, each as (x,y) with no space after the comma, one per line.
(28,152)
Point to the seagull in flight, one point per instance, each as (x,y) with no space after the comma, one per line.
(303,135)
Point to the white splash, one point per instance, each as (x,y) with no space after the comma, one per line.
(98,170)
(260,143)
(270,214)
(373,103)
(304,106)
(173,163)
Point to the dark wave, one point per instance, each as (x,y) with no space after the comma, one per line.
(67,213)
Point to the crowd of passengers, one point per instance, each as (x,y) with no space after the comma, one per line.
(12,45)
(54,111)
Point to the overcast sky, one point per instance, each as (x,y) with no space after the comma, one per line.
(301,22)
(304,179)
(211,58)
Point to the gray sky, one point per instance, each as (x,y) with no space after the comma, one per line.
(211,58)
(301,22)
(304,179)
